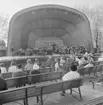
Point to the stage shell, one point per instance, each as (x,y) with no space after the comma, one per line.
(44,24)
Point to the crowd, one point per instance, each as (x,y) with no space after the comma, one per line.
(53,49)
(69,65)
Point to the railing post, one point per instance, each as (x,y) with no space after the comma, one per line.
(26,96)
(41,96)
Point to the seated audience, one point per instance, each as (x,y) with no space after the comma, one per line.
(20,68)
(3,69)
(36,66)
(29,65)
(62,61)
(19,72)
(3,84)
(73,74)
(57,67)
(90,63)
(82,62)
(13,67)
(49,62)
(86,54)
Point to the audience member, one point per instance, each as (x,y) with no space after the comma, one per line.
(62,61)
(57,67)
(73,74)
(3,69)
(19,72)
(29,65)
(90,63)
(36,66)
(20,68)
(13,67)
(49,62)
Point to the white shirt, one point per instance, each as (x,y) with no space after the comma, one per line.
(35,66)
(71,75)
(56,66)
(3,70)
(13,69)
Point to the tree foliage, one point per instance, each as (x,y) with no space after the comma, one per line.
(95,17)
(4,19)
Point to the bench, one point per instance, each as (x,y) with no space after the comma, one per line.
(16,81)
(6,75)
(89,71)
(13,95)
(9,74)
(23,93)
(32,79)
(83,71)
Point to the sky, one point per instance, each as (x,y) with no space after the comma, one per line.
(10,7)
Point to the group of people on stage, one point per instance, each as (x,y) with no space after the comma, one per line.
(53,49)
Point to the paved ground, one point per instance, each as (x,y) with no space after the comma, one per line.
(56,99)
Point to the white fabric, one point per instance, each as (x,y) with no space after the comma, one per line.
(56,66)
(86,55)
(29,66)
(3,70)
(71,75)
(62,61)
(35,66)
(13,69)
(89,65)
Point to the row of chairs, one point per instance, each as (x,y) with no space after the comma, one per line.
(33,79)
(23,93)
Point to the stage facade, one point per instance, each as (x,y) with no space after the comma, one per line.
(40,26)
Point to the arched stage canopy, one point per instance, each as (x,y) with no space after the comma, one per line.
(35,26)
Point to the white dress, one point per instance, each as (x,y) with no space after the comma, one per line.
(56,67)
(35,66)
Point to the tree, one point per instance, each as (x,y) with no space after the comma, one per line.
(96,21)
(4,23)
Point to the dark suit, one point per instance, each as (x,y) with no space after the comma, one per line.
(3,84)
